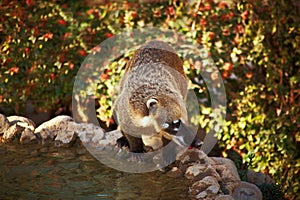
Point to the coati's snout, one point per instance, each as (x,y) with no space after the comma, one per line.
(179,132)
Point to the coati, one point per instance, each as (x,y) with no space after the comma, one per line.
(150,108)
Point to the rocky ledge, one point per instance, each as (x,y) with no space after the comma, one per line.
(210,177)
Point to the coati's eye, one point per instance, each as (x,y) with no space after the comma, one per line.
(151,102)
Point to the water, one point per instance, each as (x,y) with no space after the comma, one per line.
(48,172)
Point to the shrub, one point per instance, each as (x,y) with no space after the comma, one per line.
(255,46)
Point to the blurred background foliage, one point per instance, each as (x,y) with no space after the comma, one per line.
(254,44)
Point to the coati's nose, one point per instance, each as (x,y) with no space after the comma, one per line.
(179,132)
(172,127)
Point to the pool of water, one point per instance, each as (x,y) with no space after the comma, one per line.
(49,172)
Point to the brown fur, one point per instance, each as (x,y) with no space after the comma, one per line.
(155,71)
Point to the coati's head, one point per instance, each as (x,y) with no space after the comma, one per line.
(163,114)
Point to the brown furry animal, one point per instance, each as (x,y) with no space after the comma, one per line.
(150,108)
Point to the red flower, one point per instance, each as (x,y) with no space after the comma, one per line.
(52,76)
(203,22)
(239,28)
(249,75)
(96,49)
(109,35)
(48,36)
(207,7)
(228,66)
(170,10)
(226,32)
(245,15)
(82,52)
(211,35)
(66,35)
(156,13)
(230,15)
(225,74)
(227,17)
(13,70)
(30,2)
(71,66)
(126,6)
(222,5)
(61,22)
(104,77)
(199,40)
(26,50)
(133,14)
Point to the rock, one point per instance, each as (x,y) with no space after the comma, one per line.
(89,133)
(175,172)
(12,132)
(20,127)
(196,166)
(193,155)
(23,128)
(21,121)
(65,137)
(47,131)
(111,137)
(205,188)
(229,167)
(248,191)
(199,171)
(258,178)
(28,136)
(4,124)
(224,197)
(195,170)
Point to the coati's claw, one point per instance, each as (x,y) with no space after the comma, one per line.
(136,157)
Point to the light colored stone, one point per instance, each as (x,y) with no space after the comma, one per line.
(247,191)
(195,170)
(28,136)
(207,186)
(21,127)
(98,134)
(12,132)
(197,166)
(112,136)
(258,178)
(4,124)
(192,156)
(21,121)
(49,129)
(66,136)
(229,167)
(89,133)
(224,197)
(174,172)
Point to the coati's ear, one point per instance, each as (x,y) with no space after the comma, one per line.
(151,102)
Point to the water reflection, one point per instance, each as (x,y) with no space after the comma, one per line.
(48,172)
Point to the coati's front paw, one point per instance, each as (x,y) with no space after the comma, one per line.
(197,143)
(122,142)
